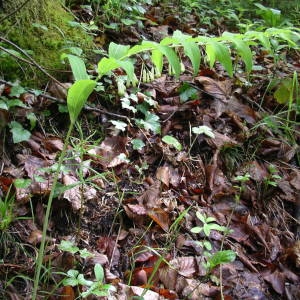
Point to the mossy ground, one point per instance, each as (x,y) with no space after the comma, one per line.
(42,29)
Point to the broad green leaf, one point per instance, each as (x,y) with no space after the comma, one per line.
(157,59)
(106,65)
(83,281)
(218,51)
(172,58)
(216,227)
(72,273)
(284,91)
(261,36)
(151,122)
(221,257)
(117,51)
(16,91)
(203,129)
(187,92)
(19,134)
(3,105)
(242,49)
(77,66)
(206,229)
(170,140)
(207,245)
(141,48)
(22,183)
(99,272)
(119,125)
(78,95)
(15,102)
(168,41)
(68,246)
(137,144)
(196,229)
(191,50)
(210,219)
(128,22)
(125,102)
(128,66)
(73,281)
(200,216)
(84,253)
(32,119)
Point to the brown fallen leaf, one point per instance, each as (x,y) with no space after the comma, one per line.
(151,197)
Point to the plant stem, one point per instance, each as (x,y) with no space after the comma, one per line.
(47,215)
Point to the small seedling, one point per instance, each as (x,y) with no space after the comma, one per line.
(219,257)
(75,278)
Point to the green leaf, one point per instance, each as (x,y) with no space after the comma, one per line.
(221,257)
(128,66)
(218,51)
(191,50)
(203,130)
(22,183)
(18,132)
(172,58)
(206,229)
(15,102)
(78,95)
(3,105)
(106,65)
(70,281)
(84,253)
(119,125)
(137,144)
(32,119)
(242,49)
(99,272)
(16,91)
(73,273)
(83,281)
(117,51)
(128,22)
(187,93)
(196,229)
(210,219)
(151,122)
(157,59)
(201,217)
(216,227)
(170,140)
(68,246)
(207,245)
(77,66)
(284,91)
(145,46)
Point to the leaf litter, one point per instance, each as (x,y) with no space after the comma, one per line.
(136,206)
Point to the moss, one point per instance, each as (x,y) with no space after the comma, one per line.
(42,29)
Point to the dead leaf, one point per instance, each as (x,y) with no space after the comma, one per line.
(160,217)
(220,90)
(151,197)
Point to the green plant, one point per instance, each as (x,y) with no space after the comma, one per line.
(201,130)
(220,257)
(75,278)
(6,212)
(242,179)
(272,179)
(271,16)
(77,96)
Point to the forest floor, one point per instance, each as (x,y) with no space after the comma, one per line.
(128,200)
